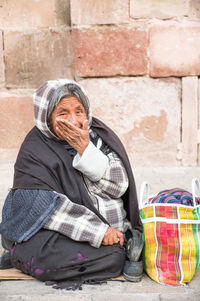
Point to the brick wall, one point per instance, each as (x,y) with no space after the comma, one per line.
(139,61)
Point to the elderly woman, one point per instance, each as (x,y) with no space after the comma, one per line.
(72,214)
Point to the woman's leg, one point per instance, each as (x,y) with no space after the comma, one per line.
(49,255)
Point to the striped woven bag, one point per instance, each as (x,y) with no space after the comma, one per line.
(171,224)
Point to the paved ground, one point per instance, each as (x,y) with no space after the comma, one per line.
(146,290)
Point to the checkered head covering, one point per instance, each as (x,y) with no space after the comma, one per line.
(49,95)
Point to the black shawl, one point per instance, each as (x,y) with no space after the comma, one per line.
(44,163)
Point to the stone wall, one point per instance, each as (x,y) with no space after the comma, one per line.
(139,61)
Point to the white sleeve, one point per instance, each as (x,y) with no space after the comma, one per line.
(93,163)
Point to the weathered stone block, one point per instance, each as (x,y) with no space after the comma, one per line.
(198,120)
(159,9)
(145,113)
(109,51)
(175,49)
(34,13)
(62,12)
(195,8)
(99,11)
(31,57)
(189,120)
(26,14)
(6,176)
(16,115)
(2,70)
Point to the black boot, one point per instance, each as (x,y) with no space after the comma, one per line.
(134,246)
(133,269)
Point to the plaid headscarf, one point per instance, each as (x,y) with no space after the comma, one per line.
(44,95)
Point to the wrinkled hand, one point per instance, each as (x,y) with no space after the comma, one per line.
(77,137)
(113,236)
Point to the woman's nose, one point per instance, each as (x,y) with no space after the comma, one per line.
(72,118)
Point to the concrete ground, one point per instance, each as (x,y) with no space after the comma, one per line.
(146,290)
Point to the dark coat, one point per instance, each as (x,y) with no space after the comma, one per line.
(44,164)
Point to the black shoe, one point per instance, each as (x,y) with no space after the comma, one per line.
(133,271)
(134,246)
(5,261)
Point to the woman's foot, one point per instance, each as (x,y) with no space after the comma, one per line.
(133,271)
(134,246)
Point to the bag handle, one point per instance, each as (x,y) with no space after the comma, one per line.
(144,189)
(195,185)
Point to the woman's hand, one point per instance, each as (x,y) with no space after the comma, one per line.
(77,137)
(113,236)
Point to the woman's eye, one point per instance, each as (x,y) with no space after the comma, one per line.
(79,112)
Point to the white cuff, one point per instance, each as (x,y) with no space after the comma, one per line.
(99,235)
(92,163)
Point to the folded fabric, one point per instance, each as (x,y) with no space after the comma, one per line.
(25,212)
(176,196)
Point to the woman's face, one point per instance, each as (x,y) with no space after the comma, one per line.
(69,109)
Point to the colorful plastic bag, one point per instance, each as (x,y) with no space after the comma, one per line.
(171,234)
